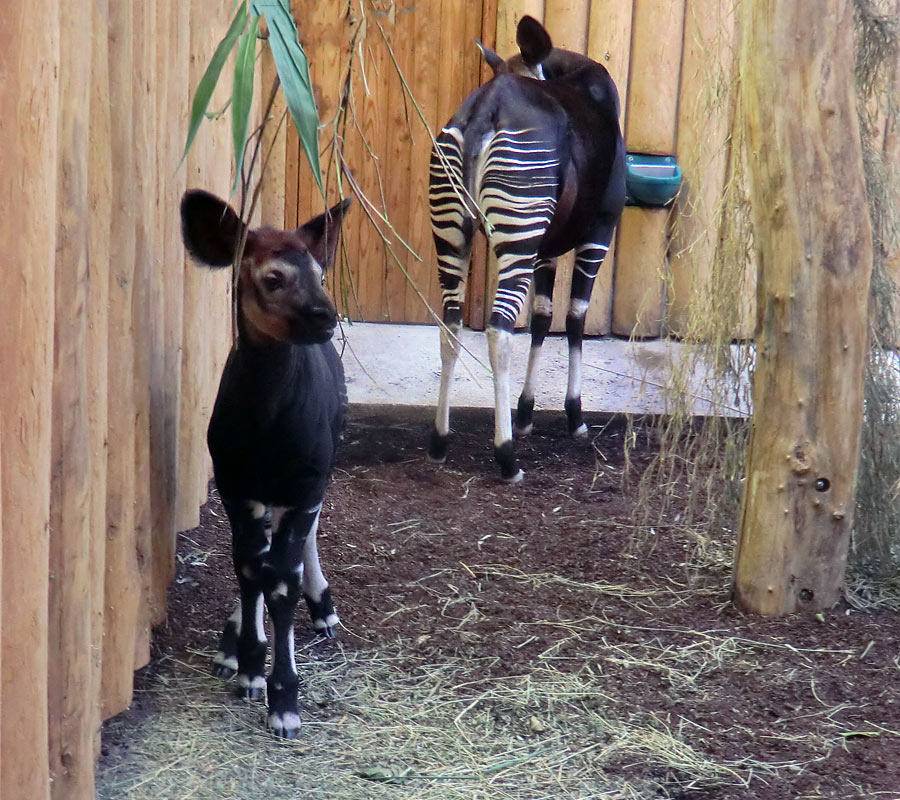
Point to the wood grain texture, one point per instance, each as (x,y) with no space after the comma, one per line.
(100,202)
(609,43)
(28,139)
(815,254)
(122,573)
(705,111)
(69,671)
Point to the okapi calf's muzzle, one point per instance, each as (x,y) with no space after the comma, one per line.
(273,434)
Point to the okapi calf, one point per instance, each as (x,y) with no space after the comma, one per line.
(272,436)
(535,157)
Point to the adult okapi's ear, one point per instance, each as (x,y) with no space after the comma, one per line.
(493,60)
(210,228)
(321,233)
(533,40)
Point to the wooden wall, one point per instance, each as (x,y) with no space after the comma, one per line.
(672,61)
(110,346)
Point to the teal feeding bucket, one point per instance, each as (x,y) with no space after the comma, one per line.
(651,180)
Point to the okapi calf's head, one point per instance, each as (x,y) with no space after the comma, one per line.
(279,289)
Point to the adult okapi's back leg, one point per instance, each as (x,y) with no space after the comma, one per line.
(518,188)
(453,228)
(588,259)
(541,314)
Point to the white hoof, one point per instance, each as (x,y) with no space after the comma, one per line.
(517,478)
(580,432)
(520,432)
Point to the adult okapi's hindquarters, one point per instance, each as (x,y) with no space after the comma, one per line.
(540,165)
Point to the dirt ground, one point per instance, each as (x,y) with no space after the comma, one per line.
(677,695)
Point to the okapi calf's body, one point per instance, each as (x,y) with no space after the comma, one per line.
(536,158)
(273,434)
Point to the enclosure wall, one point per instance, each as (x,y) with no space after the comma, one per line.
(110,350)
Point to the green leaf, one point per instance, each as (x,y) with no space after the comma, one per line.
(211,77)
(293,70)
(242,94)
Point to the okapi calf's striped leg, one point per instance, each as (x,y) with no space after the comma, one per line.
(281,577)
(242,647)
(542,312)
(588,260)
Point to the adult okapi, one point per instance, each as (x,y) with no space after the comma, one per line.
(536,158)
(275,425)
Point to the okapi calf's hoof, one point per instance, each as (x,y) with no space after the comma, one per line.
(251,688)
(437,447)
(324,618)
(284,717)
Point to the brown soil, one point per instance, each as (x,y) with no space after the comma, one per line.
(449,561)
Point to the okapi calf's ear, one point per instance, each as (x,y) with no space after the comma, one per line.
(533,40)
(210,228)
(320,234)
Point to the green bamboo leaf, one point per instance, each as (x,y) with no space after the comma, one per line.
(242,94)
(293,70)
(211,77)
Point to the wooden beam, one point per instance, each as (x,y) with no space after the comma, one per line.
(122,573)
(650,127)
(69,672)
(100,204)
(814,241)
(29,89)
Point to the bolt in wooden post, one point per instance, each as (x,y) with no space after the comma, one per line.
(814,242)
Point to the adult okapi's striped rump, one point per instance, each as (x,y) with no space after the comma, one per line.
(535,157)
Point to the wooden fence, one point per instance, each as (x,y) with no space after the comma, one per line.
(388,74)
(110,350)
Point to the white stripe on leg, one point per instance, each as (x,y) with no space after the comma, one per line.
(449,355)
(499,345)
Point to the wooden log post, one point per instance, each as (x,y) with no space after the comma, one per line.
(122,574)
(144,346)
(100,203)
(650,127)
(70,677)
(814,242)
(29,42)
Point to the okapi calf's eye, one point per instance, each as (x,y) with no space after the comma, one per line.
(274,430)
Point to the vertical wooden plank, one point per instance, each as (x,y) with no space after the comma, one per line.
(650,127)
(177,55)
(203,291)
(567,23)
(704,123)
(28,139)
(70,692)
(100,204)
(370,101)
(424,38)
(143,299)
(509,12)
(609,43)
(122,574)
(274,179)
(168,107)
(641,243)
(396,148)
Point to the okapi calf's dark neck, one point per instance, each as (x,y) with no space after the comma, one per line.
(273,435)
